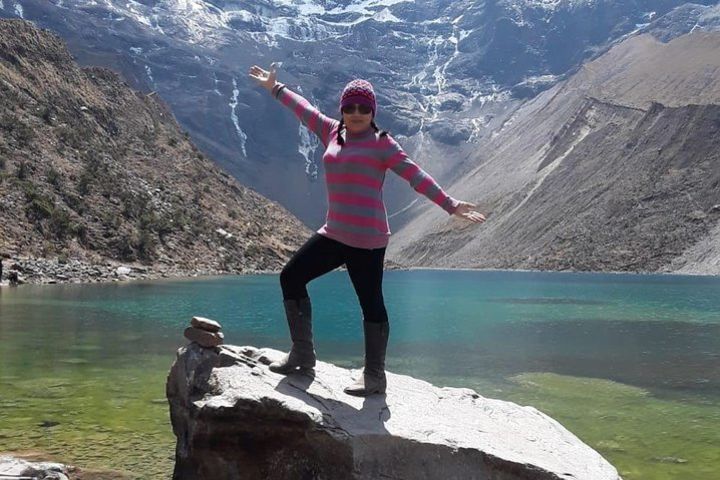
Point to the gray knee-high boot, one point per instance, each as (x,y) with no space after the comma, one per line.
(373,378)
(302,352)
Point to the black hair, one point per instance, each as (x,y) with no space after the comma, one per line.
(341,127)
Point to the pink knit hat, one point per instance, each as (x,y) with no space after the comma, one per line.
(359,91)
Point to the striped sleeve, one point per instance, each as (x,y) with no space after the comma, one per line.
(397,160)
(320,124)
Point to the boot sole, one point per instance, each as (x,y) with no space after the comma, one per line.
(286,370)
(364,393)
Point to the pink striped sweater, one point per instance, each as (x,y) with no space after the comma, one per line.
(354,174)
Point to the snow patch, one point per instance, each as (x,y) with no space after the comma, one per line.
(367,8)
(19,10)
(543,4)
(156,24)
(540,79)
(137,14)
(215,81)
(148,71)
(299,29)
(385,15)
(364,7)
(190,6)
(136,50)
(233,116)
(649,16)
(697,26)
(243,16)
(402,35)
(495,95)
(304,7)
(478,125)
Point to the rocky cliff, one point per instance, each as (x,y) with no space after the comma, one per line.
(234,419)
(94,172)
(615,169)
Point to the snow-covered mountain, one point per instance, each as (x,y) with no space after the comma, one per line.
(447,73)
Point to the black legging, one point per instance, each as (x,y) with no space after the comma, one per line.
(320,255)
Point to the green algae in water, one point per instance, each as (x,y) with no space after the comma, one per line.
(643,436)
(108,420)
(116,419)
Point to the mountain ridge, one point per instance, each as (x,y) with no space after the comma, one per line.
(95,172)
(597,174)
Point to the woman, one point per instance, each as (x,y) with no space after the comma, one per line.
(356,231)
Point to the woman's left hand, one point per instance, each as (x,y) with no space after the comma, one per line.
(465,210)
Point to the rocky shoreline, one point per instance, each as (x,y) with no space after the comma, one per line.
(43,271)
(48,271)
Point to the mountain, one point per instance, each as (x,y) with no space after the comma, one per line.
(616,168)
(94,171)
(447,73)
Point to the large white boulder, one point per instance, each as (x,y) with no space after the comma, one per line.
(235,419)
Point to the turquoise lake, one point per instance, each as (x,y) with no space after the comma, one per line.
(628,363)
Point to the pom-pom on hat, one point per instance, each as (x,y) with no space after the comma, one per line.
(359,91)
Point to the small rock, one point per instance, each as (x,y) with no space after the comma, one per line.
(205,324)
(123,271)
(204,338)
(697,215)
(11,467)
(669,460)
(224,233)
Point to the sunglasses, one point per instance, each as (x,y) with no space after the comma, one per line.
(363,109)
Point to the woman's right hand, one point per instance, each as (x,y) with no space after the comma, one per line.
(264,78)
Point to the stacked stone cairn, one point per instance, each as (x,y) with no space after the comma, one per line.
(204,332)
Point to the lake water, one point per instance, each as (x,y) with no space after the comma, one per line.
(628,363)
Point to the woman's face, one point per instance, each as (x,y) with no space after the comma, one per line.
(357,117)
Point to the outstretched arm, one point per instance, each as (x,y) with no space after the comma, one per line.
(320,124)
(398,161)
